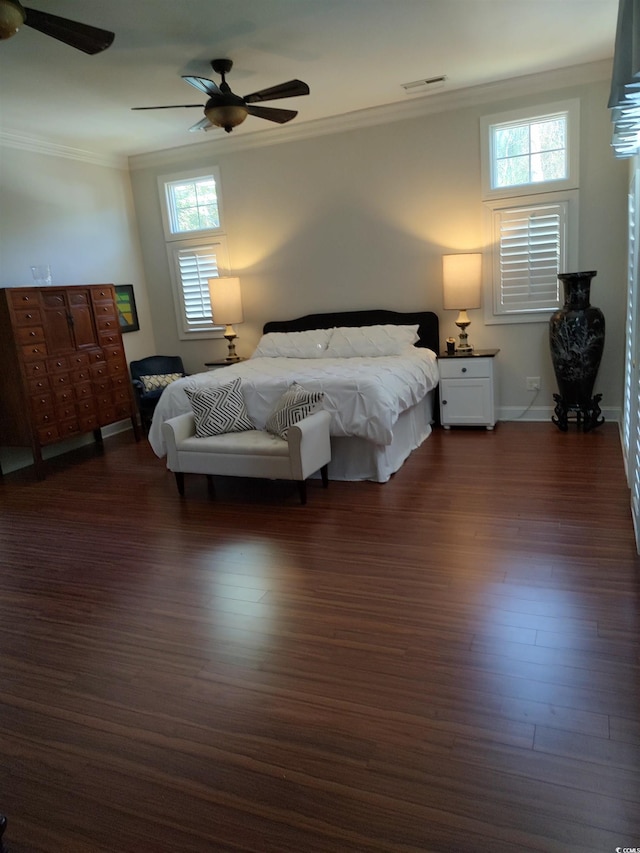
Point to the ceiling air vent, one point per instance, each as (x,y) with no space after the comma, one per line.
(421,86)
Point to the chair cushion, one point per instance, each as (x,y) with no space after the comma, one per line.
(219,409)
(294,405)
(159,381)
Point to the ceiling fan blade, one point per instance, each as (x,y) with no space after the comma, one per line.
(290,89)
(204,85)
(170,107)
(81,36)
(203,124)
(271,114)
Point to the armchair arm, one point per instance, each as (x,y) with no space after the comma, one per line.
(138,387)
(174,431)
(309,444)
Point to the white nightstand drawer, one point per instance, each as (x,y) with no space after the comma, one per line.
(465,368)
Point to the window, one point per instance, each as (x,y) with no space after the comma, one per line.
(530,187)
(193,205)
(196,246)
(531,151)
(190,203)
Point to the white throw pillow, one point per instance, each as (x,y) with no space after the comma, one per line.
(347,342)
(219,409)
(309,344)
(295,404)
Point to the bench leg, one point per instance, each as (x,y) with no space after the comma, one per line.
(180,482)
(324,471)
(210,486)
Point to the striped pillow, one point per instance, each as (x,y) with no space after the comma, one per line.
(219,409)
(294,405)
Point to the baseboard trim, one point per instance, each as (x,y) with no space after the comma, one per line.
(15,458)
(535,414)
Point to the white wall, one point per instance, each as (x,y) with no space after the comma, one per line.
(361,218)
(345,220)
(78,217)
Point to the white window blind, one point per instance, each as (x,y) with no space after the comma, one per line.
(530,249)
(630,367)
(193,266)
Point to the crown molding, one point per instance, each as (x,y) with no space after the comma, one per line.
(442,101)
(414,107)
(39,145)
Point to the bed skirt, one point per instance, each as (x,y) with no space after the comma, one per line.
(359,459)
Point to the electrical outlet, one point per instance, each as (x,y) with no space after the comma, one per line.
(533,383)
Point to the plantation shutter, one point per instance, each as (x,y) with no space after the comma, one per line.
(531,243)
(195,265)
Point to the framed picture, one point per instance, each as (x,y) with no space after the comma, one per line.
(127,312)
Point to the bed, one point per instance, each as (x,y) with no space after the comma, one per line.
(382,397)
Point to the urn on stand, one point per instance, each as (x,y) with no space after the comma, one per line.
(576,338)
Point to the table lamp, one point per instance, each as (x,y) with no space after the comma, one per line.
(461,283)
(226,307)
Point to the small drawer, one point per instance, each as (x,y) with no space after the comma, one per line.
(58,364)
(30,335)
(79,359)
(464,368)
(23,298)
(64,396)
(35,369)
(108,339)
(99,294)
(33,352)
(48,434)
(42,404)
(107,324)
(28,317)
(39,385)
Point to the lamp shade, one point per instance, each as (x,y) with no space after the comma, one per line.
(461,280)
(226,301)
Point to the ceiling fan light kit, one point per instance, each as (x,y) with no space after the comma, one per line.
(11,19)
(83,37)
(226,110)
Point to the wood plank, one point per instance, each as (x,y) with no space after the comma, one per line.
(403,667)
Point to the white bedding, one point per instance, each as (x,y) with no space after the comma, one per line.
(365,396)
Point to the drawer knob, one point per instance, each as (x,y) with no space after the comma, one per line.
(464,369)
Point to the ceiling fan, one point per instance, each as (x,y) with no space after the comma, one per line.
(224,109)
(81,36)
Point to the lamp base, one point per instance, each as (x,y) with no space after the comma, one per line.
(464,345)
(232,354)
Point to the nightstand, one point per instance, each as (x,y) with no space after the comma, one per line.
(468,389)
(222,362)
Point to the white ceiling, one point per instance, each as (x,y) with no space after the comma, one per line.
(354,55)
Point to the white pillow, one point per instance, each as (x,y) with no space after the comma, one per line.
(309,344)
(349,342)
(219,409)
(295,404)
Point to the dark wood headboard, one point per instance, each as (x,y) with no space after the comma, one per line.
(428,327)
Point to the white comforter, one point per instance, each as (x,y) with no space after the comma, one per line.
(365,396)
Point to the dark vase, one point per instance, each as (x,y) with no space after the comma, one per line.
(576,338)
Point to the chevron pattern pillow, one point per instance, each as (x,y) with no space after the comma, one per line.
(294,405)
(156,381)
(220,409)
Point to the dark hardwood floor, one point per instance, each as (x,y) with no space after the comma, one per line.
(448,662)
